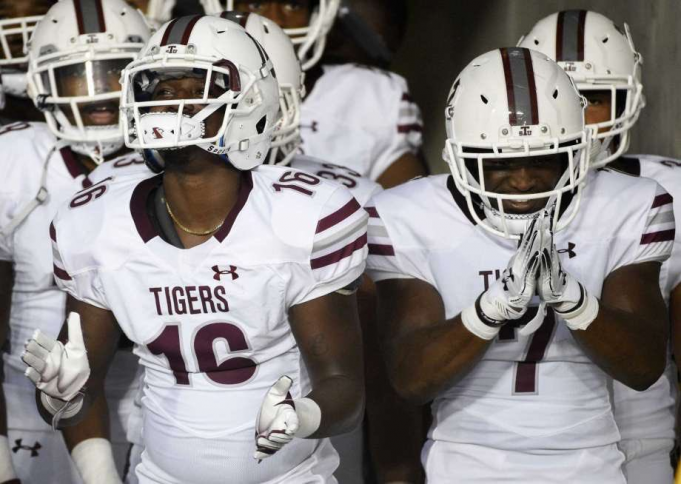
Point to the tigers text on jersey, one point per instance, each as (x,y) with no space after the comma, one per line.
(651,414)
(537,392)
(361,188)
(211,322)
(360,117)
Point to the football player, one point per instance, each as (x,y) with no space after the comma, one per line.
(356,116)
(76,55)
(601,59)
(17,22)
(519,382)
(234,280)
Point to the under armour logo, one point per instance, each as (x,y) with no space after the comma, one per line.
(223,272)
(34,450)
(569,250)
(158,133)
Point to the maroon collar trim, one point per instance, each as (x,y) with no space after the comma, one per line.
(147,230)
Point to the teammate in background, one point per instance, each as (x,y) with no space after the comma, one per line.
(601,59)
(42,167)
(17,22)
(518,381)
(354,115)
(234,280)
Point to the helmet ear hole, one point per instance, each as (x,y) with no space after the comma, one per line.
(260,127)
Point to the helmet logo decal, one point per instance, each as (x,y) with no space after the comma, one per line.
(520,86)
(90,16)
(158,132)
(570,36)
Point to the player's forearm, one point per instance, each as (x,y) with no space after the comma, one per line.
(94,424)
(422,362)
(341,401)
(627,346)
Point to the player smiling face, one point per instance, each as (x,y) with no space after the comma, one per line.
(530,175)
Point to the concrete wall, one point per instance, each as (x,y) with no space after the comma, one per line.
(443,36)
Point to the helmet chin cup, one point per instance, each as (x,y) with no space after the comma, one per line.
(97,151)
(161,128)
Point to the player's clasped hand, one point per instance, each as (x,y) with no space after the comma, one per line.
(277,421)
(58,370)
(508,297)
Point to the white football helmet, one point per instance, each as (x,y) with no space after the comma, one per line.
(311,40)
(232,63)
(599,56)
(14,36)
(291,78)
(76,55)
(514,103)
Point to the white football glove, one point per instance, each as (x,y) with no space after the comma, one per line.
(59,371)
(281,419)
(508,297)
(277,421)
(557,288)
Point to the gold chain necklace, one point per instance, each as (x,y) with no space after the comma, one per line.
(189,231)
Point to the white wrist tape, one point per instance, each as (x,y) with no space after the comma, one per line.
(472,322)
(582,317)
(95,462)
(60,409)
(6,468)
(309,417)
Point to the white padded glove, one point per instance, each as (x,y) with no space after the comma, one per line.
(59,371)
(508,297)
(281,419)
(563,292)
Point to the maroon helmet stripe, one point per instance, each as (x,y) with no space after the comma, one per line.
(166,34)
(520,86)
(89,16)
(188,29)
(179,30)
(53,233)
(570,36)
(529,72)
(509,88)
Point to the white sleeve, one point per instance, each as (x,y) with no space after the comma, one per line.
(401,134)
(83,285)
(7,206)
(339,249)
(382,262)
(657,239)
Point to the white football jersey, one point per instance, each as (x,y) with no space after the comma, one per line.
(537,392)
(128,165)
(651,414)
(360,117)
(26,151)
(210,323)
(361,187)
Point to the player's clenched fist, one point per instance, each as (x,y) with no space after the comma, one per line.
(59,371)
(281,419)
